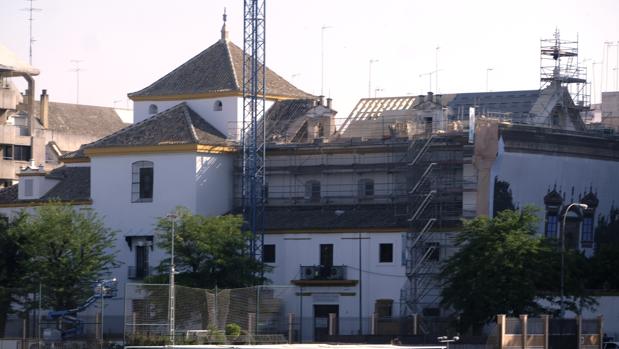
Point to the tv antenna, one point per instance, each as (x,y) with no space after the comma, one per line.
(77,69)
(31,10)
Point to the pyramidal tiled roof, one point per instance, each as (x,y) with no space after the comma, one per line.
(217,69)
(177,125)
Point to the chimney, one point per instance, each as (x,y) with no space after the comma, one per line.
(44,109)
(421,98)
(329,102)
(321,100)
(430,96)
(438,99)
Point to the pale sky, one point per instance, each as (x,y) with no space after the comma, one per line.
(125,45)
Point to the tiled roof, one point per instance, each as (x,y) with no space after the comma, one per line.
(513,103)
(219,68)
(73,185)
(283,118)
(79,119)
(177,125)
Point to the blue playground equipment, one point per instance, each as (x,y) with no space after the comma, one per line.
(70,325)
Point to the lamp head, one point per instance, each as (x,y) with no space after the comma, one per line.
(583,206)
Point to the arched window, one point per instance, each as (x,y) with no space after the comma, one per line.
(218,106)
(312,191)
(365,188)
(152,109)
(142,181)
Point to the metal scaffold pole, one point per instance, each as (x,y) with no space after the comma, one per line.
(252,138)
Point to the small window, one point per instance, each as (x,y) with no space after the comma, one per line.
(312,191)
(7,152)
(28,187)
(152,109)
(551,226)
(365,188)
(21,152)
(326,255)
(268,253)
(587,229)
(218,106)
(142,181)
(385,253)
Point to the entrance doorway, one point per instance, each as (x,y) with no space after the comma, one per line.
(321,320)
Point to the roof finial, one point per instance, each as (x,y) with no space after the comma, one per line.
(224,30)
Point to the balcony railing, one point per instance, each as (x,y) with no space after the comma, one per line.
(321,272)
(138,273)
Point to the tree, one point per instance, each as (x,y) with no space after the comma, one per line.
(503,267)
(69,248)
(12,268)
(604,264)
(209,251)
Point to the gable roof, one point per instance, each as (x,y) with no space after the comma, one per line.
(177,125)
(283,118)
(80,119)
(73,185)
(217,69)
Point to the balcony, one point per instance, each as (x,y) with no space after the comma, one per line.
(139,273)
(320,275)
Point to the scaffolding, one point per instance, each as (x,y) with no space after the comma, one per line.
(560,66)
(254,92)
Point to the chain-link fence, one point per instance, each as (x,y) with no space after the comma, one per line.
(25,323)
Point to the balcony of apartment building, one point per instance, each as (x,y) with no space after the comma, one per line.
(323,275)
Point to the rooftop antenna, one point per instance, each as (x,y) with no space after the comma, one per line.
(436,67)
(322,58)
(31,40)
(76,69)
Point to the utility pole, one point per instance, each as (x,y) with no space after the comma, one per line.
(172,311)
(372,61)
(488,70)
(31,40)
(322,58)
(76,69)
(436,66)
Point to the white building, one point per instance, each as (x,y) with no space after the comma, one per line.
(343,217)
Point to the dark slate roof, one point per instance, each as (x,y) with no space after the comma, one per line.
(326,217)
(514,103)
(73,185)
(8,194)
(79,119)
(177,125)
(283,114)
(219,68)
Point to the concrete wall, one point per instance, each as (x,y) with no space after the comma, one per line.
(531,176)
(228,121)
(295,250)
(214,184)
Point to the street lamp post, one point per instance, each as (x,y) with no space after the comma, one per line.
(584,207)
(172,300)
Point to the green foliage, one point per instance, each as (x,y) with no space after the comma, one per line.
(233,330)
(12,268)
(68,249)
(602,273)
(503,199)
(209,251)
(502,267)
